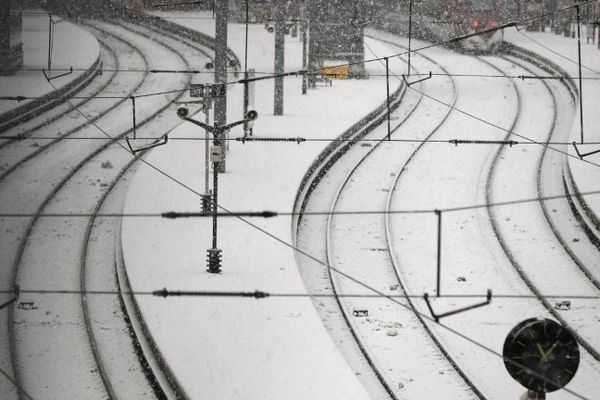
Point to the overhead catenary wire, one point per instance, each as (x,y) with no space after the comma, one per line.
(483,346)
(264,294)
(300,140)
(494,125)
(271,214)
(302,72)
(558,54)
(266,76)
(432,98)
(308,73)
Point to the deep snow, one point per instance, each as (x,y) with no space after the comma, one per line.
(274,357)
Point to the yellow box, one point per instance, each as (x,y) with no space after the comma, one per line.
(335,72)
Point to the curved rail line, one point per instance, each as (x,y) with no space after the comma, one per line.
(515,53)
(396,263)
(555,230)
(36,107)
(43,205)
(29,228)
(587,219)
(87,122)
(46,201)
(330,260)
(549,67)
(321,166)
(393,257)
(51,115)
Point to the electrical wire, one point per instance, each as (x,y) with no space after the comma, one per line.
(558,54)
(301,72)
(512,132)
(298,73)
(489,123)
(300,140)
(271,214)
(301,252)
(282,295)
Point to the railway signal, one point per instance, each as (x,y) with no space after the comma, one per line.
(217,157)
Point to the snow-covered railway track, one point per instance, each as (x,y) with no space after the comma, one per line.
(564,271)
(56,254)
(443,179)
(384,354)
(389,164)
(65,124)
(469,253)
(102,81)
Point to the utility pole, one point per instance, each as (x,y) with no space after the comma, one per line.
(11,44)
(217,154)
(5,35)
(279,56)
(49,41)
(409,34)
(295,16)
(580,85)
(304,25)
(220,115)
(246,67)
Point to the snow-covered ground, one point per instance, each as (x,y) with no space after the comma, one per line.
(30,81)
(270,348)
(278,347)
(260,347)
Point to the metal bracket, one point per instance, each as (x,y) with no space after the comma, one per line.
(437,317)
(582,155)
(156,143)
(49,78)
(133,113)
(417,81)
(200,124)
(17,292)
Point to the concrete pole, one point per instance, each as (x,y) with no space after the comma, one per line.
(5,35)
(279,55)
(49,42)
(246,6)
(220,115)
(304,25)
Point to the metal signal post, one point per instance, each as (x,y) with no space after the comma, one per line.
(279,56)
(217,156)
(221,8)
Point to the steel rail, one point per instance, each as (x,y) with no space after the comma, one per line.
(28,230)
(330,261)
(49,116)
(87,123)
(526,56)
(45,203)
(394,259)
